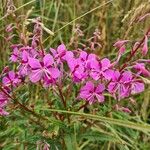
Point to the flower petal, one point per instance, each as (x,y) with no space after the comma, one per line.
(36,75)
(54,72)
(48,60)
(34,63)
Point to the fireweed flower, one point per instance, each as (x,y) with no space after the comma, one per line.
(101,69)
(86,59)
(43,70)
(11,79)
(92,93)
(59,53)
(25,53)
(78,71)
(59,63)
(124,84)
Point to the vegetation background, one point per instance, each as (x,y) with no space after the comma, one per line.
(115,19)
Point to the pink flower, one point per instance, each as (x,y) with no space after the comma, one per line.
(86,59)
(11,79)
(43,69)
(119,85)
(124,84)
(91,93)
(59,53)
(78,71)
(100,70)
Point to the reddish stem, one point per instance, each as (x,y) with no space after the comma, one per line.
(134,51)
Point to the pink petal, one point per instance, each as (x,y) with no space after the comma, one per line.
(95,74)
(116,75)
(83,55)
(25,56)
(53,51)
(14,58)
(34,63)
(48,60)
(137,87)
(11,75)
(55,73)
(61,48)
(105,63)
(94,64)
(36,75)
(69,55)
(5,80)
(89,86)
(100,98)
(112,87)
(108,74)
(126,76)
(100,88)
(84,94)
(72,63)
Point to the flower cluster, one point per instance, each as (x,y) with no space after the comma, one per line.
(97,76)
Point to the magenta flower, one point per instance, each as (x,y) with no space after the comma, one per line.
(91,93)
(11,79)
(124,84)
(77,70)
(100,70)
(43,69)
(86,59)
(59,53)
